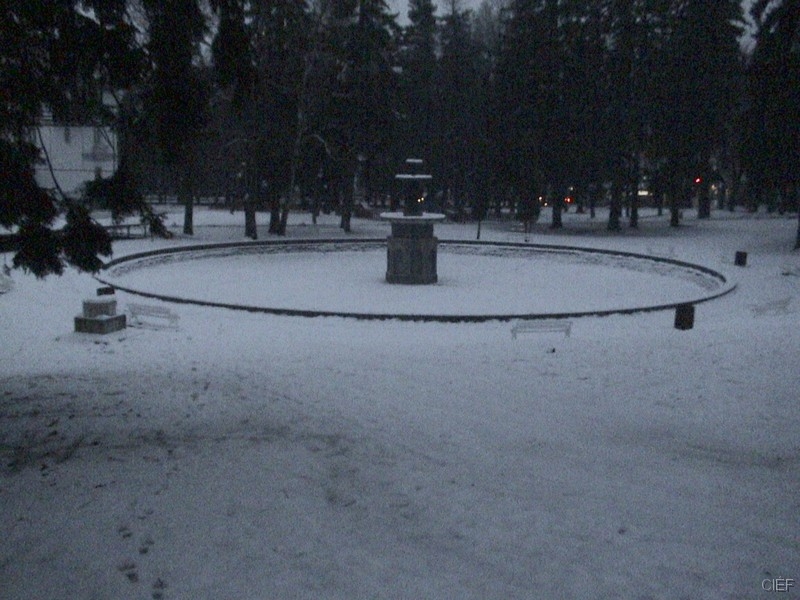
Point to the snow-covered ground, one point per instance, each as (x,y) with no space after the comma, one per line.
(249,456)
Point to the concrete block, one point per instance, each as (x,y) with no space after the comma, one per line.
(100,325)
(99,307)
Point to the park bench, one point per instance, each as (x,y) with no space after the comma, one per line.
(554,325)
(120,231)
(362,210)
(142,315)
(775,307)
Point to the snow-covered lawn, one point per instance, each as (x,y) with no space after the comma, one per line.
(248,456)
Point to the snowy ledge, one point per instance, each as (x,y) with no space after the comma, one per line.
(485,281)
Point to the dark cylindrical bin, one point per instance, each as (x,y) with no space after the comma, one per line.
(684,316)
(741,259)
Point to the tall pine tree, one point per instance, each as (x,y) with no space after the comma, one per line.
(774,117)
(368,93)
(460,94)
(700,64)
(417,58)
(177,98)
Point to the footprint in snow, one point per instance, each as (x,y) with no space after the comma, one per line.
(129,570)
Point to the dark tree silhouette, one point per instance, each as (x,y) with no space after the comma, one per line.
(774,116)
(177,97)
(57,57)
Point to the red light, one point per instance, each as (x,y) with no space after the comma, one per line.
(697,180)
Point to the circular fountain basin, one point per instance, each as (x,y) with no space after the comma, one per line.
(479,282)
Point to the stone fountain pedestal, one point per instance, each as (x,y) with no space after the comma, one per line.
(411,249)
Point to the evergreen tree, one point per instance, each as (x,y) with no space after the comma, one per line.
(177,99)
(774,117)
(486,38)
(367,92)
(280,50)
(236,78)
(461,94)
(417,58)
(633,28)
(59,55)
(232,50)
(700,65)
(543,97)
(259,54)
(513,125)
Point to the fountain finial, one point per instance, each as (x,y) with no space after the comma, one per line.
(413,187)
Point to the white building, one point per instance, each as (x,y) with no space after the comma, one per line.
(73,154)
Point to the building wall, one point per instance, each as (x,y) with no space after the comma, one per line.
(77,154)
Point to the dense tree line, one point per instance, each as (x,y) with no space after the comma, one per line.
(772,113)
(274,102)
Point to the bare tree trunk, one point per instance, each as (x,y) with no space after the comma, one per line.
(250,201)
(579,196)
(274,215)
(558,207)
(674,204)
(704,200)
(289,198)
(281,219)
(315,210)
(674,211)
(250,228)
(658,194)
(284,221)
(733,193)
(186,197)
(633,193)
(347,209)
(615,210)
